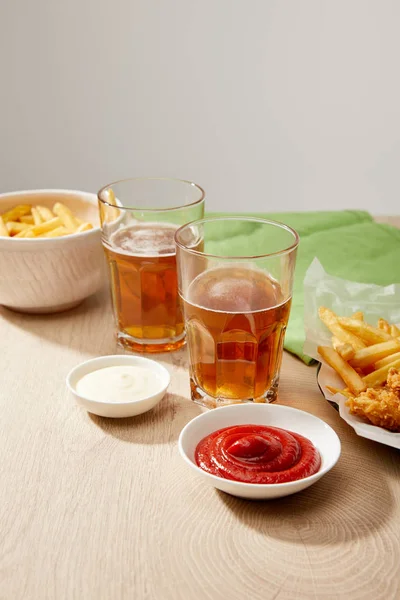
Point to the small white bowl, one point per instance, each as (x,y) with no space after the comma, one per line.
(47,275)
(118,409)
(298,421)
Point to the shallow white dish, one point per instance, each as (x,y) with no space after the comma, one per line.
(298,421)
(118,409)
(327,376)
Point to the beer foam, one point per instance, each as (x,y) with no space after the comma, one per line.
(146,239)
(235,290)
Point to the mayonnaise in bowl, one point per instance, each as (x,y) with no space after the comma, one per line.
(118,386)
(123,383)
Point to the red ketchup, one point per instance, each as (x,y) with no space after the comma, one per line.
(257,454)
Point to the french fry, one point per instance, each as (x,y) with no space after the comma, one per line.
(329,319)
(45,213)
(15,213)
(84,227)
(111,197)
(370,335)
(23,233)
(109,212)
(394,331)
(352,379)
(45,227)
(26,233)
(334,390)
(346,351)
(16,227)
(57,232)
(386,361)
(379,377)
(67,217)
(37,219)
(3,229)
(384,325)
(359,315)
(370,355)
(27,219)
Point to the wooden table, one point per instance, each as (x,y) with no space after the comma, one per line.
(94,508)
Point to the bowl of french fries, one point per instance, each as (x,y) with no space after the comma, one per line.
(366,358)
(51,256)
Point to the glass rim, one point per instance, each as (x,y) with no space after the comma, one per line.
(286,250)
(169,208)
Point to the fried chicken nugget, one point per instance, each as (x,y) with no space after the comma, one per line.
(393,381)
(380,406)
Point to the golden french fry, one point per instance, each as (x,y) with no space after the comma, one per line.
(378,377)
(45,213)
(386,361)
(3,229)
(16,227)
(342,368)
(370,355)
(394,331)
(57,232)
(384,325)
(334,390)
(370,335)
(359,315)
(111,197)
(26,233)
(27,219)
(84,227)
(37,219)
(15,213)
(66,215)
(24,221)
(330,319)
(346,351)
(47,226)
(109,211)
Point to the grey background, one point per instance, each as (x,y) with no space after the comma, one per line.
(269,105)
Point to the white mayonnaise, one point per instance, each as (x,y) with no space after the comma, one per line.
(123,383)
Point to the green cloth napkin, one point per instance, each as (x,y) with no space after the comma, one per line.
(349,244)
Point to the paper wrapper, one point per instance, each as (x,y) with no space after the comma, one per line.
(344,298)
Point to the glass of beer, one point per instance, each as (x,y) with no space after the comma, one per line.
(236,289)
(139,218)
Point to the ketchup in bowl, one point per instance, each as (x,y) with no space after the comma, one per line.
(257,454)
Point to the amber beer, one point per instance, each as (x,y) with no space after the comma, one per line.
(236,318)
(147,307)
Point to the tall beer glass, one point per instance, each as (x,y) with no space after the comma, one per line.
(139,218)
(236,289)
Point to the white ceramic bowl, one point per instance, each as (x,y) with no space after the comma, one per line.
(120,409)
(298,421)
(45,275)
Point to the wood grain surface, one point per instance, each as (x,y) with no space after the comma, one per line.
(94,508)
